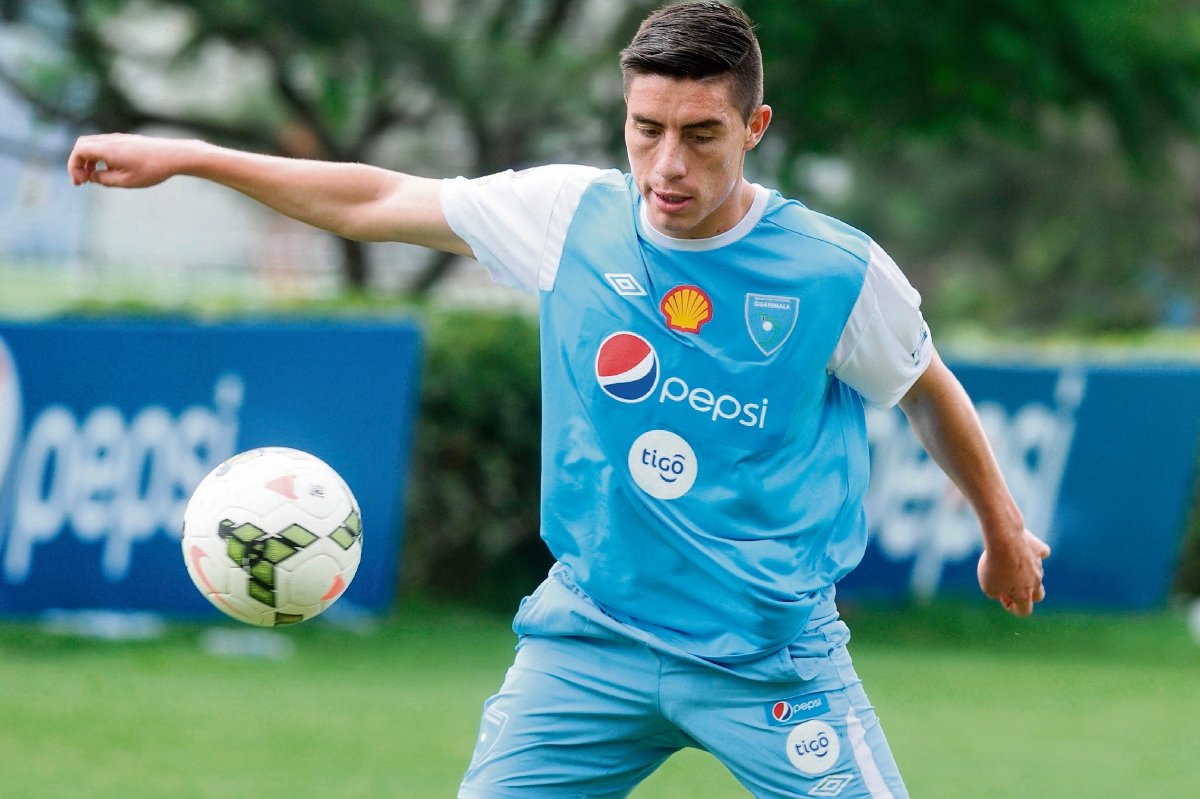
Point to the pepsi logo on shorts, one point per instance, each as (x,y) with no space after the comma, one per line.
(627,367)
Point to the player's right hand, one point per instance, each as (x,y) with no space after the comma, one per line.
(1010,570)
(124,160)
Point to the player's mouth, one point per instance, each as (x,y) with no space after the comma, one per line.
(670,203)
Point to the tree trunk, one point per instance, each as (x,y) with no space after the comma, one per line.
(433,271)
(354,263)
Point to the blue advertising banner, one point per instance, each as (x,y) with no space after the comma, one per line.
(106,428)
(1100,460)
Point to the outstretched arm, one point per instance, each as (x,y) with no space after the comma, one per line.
(942,416)
(352,200)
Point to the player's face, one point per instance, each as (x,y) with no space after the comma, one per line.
(686,143)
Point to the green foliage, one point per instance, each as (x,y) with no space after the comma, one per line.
(863,68)
(1187,582)
(473,521)
(1066,236)
(1030,164)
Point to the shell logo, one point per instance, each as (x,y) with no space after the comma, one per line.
(686,308)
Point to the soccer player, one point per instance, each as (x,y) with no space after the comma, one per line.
(707,346)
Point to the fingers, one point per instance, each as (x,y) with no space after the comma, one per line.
(85,159)
(108,177)
(92,156)
(80,165)
(1021,605)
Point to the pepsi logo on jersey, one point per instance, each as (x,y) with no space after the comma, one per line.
(627,367)
(628,370)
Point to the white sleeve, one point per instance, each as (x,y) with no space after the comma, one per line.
(885,345)
(516,222)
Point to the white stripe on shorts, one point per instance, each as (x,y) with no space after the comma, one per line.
(865,759)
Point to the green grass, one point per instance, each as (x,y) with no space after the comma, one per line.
(975,705)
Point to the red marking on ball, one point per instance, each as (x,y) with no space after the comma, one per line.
(339,585)
(285,486)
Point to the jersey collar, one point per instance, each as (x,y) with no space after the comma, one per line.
(738,231)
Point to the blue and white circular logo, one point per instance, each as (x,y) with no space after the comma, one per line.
(813,747)
(627,367)
(662,464)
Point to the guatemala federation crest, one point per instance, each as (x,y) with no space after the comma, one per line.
(771,320)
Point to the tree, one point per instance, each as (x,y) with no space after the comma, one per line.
(1031,164)
(340,76)
(869,69)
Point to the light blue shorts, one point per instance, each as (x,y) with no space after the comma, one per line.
(592,717)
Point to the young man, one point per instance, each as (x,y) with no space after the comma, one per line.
(706,349)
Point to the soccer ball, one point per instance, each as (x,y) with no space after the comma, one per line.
(272,536)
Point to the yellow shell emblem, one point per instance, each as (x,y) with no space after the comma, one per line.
(687,308)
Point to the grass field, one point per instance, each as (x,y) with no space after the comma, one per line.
(975,705)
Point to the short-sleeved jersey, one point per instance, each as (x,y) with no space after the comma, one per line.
(704,453)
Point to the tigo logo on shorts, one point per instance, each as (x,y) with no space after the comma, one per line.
(627,367)
(813,747)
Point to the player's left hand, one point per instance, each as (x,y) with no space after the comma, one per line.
(1011,572)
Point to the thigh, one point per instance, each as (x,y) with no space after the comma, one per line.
(819,738)
(576,717)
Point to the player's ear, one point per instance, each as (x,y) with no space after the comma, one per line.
(757,125)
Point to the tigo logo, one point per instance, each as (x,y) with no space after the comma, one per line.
(627,367)
(662,464)
(686,308)
(813,747)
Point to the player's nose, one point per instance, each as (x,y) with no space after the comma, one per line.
(670,163)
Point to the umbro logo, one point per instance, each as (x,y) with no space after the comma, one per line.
(625,284)
(831,785)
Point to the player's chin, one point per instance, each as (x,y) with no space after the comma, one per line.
(676,223)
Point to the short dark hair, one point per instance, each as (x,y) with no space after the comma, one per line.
(698,41)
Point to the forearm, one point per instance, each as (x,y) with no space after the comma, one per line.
(325,195)
(352,200)
(356,201)
(945,422)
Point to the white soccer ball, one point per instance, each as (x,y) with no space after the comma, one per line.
(272,536)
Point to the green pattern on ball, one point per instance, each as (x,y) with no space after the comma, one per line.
(348,533)
(261,593)
(276,551)
(258,552)
(264,572)
(298,536)
(246,532)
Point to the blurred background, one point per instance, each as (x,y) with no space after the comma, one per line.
(1033,167)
